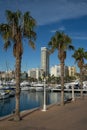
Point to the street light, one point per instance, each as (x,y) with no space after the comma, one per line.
(73,97)
(44,102)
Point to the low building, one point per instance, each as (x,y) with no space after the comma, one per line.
(7,74)
(72,70)
(35,73)
(56,70)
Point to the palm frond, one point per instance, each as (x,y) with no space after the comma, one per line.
(70,47)
(60,41)
(32,44)
(5,31)
(51,50)
(6,45)
(18,26)
(85,55)
(29,24)
(79,56)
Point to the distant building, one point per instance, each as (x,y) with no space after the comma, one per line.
(45,60)
(32,73)
(56,70)
(7,75)
(24,75)
(72,70)
(35,73)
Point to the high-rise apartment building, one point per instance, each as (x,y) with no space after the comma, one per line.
(45,60)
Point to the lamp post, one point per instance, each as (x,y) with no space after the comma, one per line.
(44,102)
(73,97)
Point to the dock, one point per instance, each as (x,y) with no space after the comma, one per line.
(68,90)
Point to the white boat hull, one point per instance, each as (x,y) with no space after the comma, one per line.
(3,94)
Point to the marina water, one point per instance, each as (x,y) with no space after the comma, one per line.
(28,100)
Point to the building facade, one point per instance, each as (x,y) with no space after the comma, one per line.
(35,73)
(56,70)
(45,60)
(72,70)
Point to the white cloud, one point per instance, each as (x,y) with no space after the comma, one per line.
(48,11)
(78,36)
(53,31)
(62,28)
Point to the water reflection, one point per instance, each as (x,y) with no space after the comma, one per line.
(28,100)
(6,106)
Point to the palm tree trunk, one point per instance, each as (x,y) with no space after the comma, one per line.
(81,81)
(17,97)
(62,83)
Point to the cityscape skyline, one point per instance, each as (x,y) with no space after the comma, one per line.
(51,16)
(54,71)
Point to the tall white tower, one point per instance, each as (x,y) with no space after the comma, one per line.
(45,60)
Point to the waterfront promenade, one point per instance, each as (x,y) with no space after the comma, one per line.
(71,116)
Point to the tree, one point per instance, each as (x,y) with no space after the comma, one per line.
(18,26)
(80,55)
(61,42)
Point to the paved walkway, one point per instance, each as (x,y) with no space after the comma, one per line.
(71,116)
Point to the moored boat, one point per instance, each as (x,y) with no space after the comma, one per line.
(4,94)
(38,86)
(25,85)
(25,88)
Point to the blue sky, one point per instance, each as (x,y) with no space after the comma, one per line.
(69,16)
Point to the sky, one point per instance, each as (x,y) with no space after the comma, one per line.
(69,16)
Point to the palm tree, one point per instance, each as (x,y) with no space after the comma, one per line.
(80,55)
(61,42)
(18,26)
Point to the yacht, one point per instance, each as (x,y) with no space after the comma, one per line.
(38,86)
(4,94)
(25,86)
